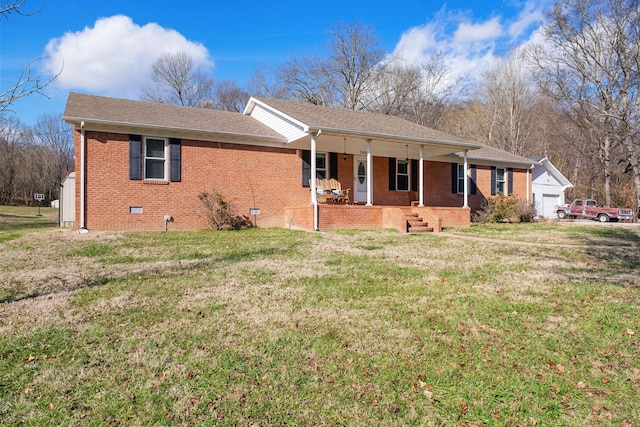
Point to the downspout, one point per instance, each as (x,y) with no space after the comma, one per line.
(82,178)
(312,183)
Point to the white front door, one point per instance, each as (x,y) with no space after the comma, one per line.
(360,174)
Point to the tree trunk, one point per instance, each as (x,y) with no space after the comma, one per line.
(607,169)
(635,167)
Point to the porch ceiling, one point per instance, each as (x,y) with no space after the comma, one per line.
(380,147)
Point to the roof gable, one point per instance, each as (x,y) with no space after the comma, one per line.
(308,118)
(544,171)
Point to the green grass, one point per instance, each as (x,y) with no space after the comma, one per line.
(274,327)
(16,221)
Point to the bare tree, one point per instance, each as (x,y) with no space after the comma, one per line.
(27,83)
(393,89)
(305,79)
(589,64)
(229,96)
(177,81)
(15,140)
(56,139)
(344,77)
(438,92)
(267,83)
(509,99)
(354,61)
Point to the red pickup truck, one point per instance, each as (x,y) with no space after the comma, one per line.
(589,208)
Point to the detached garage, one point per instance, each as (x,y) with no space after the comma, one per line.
(548,186)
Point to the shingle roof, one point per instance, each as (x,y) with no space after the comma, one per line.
(336,119)
(114,111)
(492,153)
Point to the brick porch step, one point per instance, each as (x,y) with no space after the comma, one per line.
(415,224)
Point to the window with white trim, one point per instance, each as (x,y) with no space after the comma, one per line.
(321,165)
(460,179)
(402,175)
(501,180)
(155,158)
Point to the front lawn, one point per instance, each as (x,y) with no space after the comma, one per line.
(276,327)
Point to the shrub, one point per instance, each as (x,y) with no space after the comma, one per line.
(503,208)
(220,214)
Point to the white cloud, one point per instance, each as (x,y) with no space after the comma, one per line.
(469,46)
(114,57)
(529,16)
(473,33)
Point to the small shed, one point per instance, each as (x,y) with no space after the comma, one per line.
(548,186)
(67,203)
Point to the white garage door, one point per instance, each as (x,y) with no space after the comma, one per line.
(549,202)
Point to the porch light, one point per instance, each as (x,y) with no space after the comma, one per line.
(344,154)
(407,159)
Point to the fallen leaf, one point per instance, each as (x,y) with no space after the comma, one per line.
(630,332)
(349,361)
(560,369)
(428,393)
(463,407)
(581,385)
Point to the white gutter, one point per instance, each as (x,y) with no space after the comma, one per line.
(212,136)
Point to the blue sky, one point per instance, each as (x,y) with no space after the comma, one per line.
(107,47)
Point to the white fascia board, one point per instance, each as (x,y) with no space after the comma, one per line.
(248,110)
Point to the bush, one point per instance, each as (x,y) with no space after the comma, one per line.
(503,208)
(220,214)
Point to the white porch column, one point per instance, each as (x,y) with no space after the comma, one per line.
(421,178)
(312,181)
(466,180)
(529,189)
(369,175)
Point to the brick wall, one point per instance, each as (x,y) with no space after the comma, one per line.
(248,177)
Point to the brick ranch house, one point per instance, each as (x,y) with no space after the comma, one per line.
(142,166)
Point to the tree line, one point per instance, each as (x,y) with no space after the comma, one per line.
(33,159)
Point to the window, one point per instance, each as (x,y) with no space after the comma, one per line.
(501,175)
(402,175)
(155,158)
(321,165)
(460,179)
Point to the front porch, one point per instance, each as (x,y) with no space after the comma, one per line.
(343,217)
